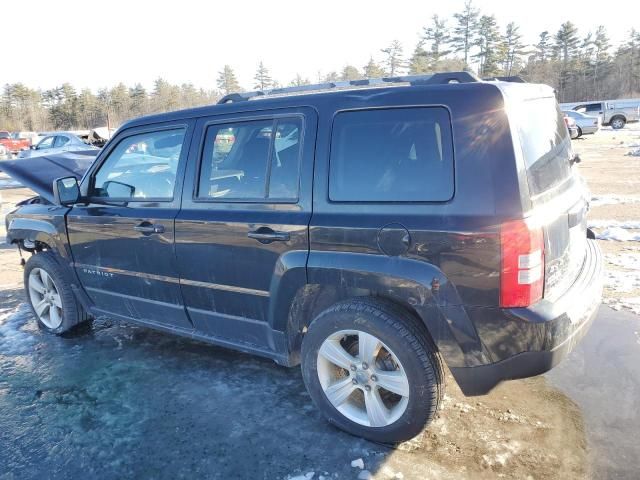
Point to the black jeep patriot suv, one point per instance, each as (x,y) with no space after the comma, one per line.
(367,230)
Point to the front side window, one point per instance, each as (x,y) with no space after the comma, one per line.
(392,155)
(141,167)
(253,160)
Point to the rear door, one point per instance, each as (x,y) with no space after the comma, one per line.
(557,193)
(243,226)
(122,238)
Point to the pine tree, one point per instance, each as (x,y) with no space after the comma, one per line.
(543,47)
(393,59)
(489,42)
(139,99)
(566,42)
(632,51)
(419,61)
(601,44)
(437,36)
(465,30)
(514,48)
(349,72)
(566,48)
(299,81)
(331,77)
(372,69)
(262,78)
(227,81)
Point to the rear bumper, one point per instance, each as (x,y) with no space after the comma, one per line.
(586,130)
(549,331)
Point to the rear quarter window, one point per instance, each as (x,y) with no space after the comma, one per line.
(546,146)
(392,155)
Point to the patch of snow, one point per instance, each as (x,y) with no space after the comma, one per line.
(622,282)
(631,304)
(364,475)
(626,260)
(612,199)
(618,234)
(306,476)
(13,340)
(357,463)
(631,224)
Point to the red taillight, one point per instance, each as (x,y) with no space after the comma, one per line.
(522,274)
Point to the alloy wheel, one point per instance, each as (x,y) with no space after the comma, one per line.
(362,378)
(45,298)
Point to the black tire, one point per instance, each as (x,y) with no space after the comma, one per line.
(617,122)
(579,132)
(72,311)
(407,337)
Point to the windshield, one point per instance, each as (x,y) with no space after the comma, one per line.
(545,142)
(4,135)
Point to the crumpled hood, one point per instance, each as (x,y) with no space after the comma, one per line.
(38,173)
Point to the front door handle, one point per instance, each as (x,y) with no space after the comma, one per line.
(267,235)
(149,228)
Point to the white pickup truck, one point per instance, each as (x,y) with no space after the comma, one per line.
(616,113)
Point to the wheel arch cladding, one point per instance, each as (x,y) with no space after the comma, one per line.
(41,231)
(420,289)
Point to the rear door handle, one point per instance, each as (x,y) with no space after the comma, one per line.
(267,235)
(149,228)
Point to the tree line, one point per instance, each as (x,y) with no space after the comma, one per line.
(579,65)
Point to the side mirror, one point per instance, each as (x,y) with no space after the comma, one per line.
(66,191)
(33,147)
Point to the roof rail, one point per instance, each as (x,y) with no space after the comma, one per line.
(434,79)
(512,78)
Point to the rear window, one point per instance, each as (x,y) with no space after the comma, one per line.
(391,155)
(545,141)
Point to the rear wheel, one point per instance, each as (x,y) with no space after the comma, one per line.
(579,132)
(50,296)
(372,370)
(618,122)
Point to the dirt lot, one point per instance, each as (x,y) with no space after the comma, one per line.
(114,400)
(611,166)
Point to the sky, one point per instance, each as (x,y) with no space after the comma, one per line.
(190,41)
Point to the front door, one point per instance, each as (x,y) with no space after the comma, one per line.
(122,239)
(242,231)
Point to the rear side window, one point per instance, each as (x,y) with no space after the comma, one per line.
(392,155)
(545,141)
(251,160)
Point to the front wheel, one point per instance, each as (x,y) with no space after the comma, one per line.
(50,296)
(372,370)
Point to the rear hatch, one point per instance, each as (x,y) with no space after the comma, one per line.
(558,194)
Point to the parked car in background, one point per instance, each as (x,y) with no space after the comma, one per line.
(5,154)
(571,126)
(616,113)
(332,230)
(56,142)
(32,137)
(586,124)
(13,143)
